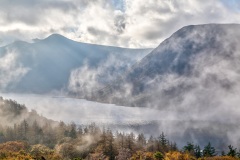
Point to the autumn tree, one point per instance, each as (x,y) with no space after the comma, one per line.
(123,154)
(158,156)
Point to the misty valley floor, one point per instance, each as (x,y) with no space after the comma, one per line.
(82,111)
(131,119)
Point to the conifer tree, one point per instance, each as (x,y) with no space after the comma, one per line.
(189,148)
(197,151)
(73,132)
(150,144)
(232,152)
(209,151)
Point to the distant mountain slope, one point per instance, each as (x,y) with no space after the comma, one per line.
(46,65)
(201,61)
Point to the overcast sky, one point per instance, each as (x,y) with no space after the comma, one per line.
(125,23)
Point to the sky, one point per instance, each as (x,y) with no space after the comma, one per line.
(124,23)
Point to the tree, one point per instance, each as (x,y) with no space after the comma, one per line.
(130,141)
(158,156)
(173,146)
(150,144)
(60,130)
(79,131)
(120,139)
(73,132)
(35,134)
(103,139)
(162,139)
(162,144)
(209,151)
(141,139)
(189,148)
(238,154)
(110,150)
(197,151)
(223,153)
(24,129)
(123,154)
(68,151)
(232,152)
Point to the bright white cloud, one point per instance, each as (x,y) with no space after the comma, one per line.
(10,70)
(132,23)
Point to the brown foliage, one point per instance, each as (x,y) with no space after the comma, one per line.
(14,146)
(218,158)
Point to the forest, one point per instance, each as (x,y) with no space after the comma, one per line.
(27,135)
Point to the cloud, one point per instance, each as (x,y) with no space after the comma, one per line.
(124,23)
(10,70)
(86,79)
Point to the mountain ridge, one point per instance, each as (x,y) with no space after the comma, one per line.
(45,65)
(177,56)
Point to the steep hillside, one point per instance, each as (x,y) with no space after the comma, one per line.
(201,61)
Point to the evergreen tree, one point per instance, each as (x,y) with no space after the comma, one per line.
(130,141)
(141,140)
(110,150)
(122,140)
(23,129)
(189,148)
(73,132)
(162,145)
(238,153)
(103,139)
(223,153)
(173,146)
(35,133)
(60,130)
(197,151)
(209,151)
(163,140)
(232,152)
(150,144)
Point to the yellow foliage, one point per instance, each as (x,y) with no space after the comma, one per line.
(141,155)
(178,156)
(40,150)
(17,150)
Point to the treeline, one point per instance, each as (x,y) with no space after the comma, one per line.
(42,139)
(69,141)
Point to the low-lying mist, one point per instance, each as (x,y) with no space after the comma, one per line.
(179,127)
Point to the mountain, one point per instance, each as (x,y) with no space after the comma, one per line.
(196,65)
(47,65)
